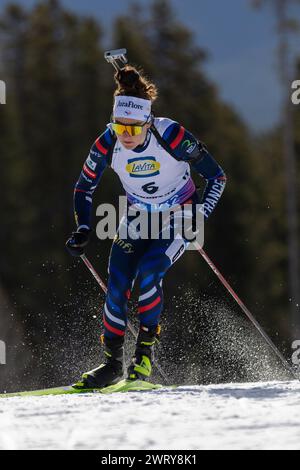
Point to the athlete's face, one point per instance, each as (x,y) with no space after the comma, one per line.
(130,142)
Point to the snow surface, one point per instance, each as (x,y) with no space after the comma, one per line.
(230,416)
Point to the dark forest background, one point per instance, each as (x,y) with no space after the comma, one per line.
(59,99)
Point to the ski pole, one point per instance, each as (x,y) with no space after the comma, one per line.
(245,310)
(104,288)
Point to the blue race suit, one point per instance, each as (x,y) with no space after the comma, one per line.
(155,180)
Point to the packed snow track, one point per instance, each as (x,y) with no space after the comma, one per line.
(229,416)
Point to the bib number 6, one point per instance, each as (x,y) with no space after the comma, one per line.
(150,188)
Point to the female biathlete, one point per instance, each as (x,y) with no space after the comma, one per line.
(152,157)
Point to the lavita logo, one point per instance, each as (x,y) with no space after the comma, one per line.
(2,92)
(2,353)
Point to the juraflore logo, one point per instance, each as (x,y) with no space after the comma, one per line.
(296,95)
(127,247)
(2,92)
(2,353)
(130,104)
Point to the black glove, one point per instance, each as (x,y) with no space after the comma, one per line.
(78,241)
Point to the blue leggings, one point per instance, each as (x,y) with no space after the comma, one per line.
(145,261)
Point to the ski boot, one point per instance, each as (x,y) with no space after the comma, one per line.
(111,371)
(141,364)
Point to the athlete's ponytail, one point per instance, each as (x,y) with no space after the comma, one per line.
(130,82)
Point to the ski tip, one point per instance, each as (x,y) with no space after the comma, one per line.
(78,385)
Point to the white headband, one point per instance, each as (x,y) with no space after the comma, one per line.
(132,108)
